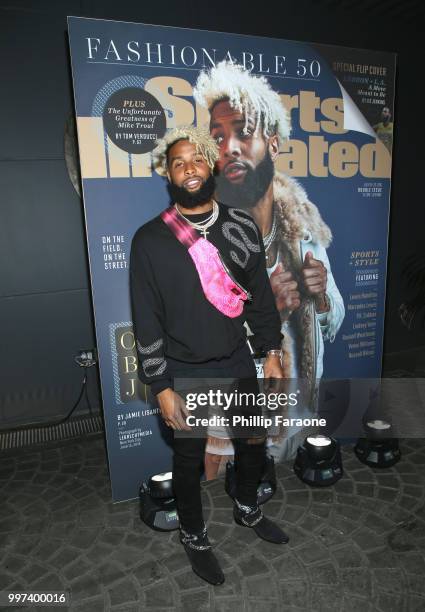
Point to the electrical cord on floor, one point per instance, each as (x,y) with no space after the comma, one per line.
(83,389)
(86,393)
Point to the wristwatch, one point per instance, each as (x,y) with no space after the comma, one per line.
(274,352)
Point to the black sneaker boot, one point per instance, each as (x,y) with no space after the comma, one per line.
(252,516)
(204,562)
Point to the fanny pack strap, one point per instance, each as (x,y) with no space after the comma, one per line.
(184,232)
(188,236)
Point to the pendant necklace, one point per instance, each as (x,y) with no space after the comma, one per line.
(202,226)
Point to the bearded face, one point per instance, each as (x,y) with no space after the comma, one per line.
(188,199)
(247,192)
(191,183)
(245,168)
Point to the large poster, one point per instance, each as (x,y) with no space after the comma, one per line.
(330,112)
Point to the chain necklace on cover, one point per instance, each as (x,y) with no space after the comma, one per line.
(269,239)
(202,226)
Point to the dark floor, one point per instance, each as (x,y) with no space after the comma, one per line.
(357,546)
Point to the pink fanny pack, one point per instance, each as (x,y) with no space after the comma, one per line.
(218,285)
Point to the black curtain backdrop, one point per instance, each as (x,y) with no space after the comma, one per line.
(45,298)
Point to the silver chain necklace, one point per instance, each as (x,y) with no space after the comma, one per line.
(202,226)
(268,240)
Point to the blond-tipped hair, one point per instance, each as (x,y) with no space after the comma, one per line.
(249,94)
(200,137)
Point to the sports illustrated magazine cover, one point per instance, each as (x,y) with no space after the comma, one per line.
(305,136)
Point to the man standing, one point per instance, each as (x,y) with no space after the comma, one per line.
(384,129)
(249,123)
(180,333)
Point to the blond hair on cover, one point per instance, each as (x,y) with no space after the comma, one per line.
(249,94)
(200,137)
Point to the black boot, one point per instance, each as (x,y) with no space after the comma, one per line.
(252,516)
(204,562)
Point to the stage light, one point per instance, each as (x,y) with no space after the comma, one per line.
(379,449)
(318,462)
(157,503)
(266,488)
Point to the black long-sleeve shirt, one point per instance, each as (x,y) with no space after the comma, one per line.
(171,315)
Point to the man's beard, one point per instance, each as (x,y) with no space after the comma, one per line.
(253,187)
(190,200)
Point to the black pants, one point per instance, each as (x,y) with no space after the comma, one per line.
(189,451)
